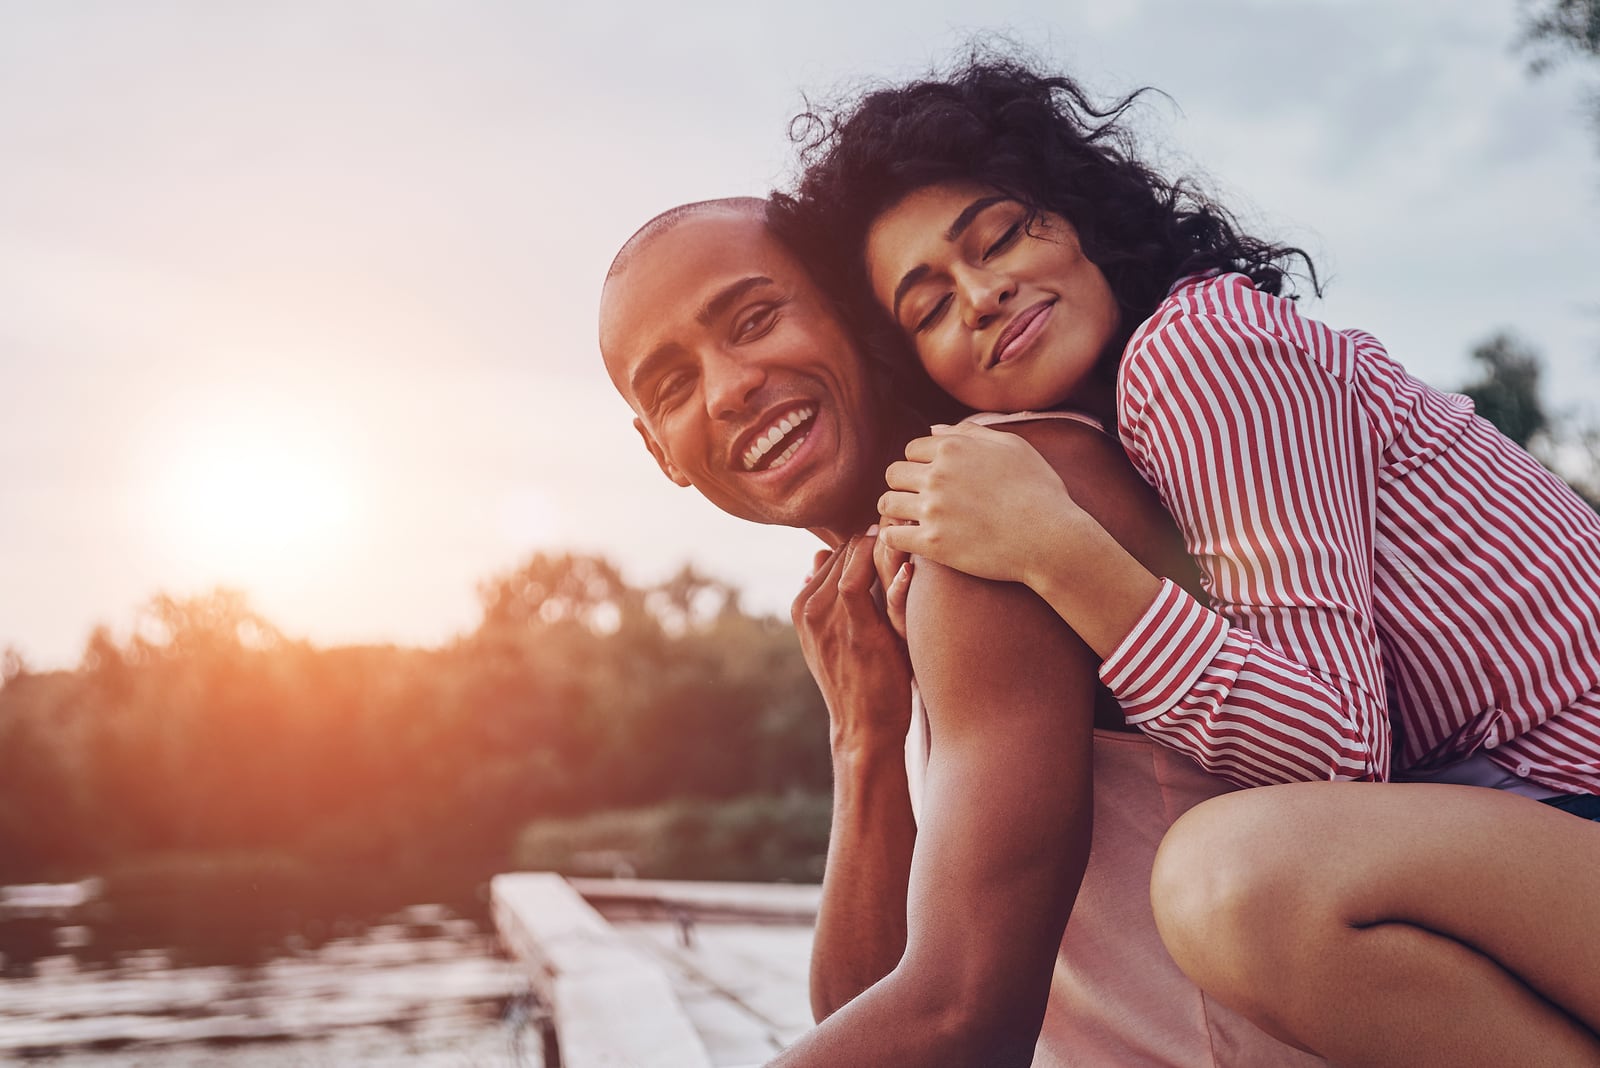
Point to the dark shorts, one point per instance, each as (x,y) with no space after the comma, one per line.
(1584,806)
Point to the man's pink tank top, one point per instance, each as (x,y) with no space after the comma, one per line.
(1117,998)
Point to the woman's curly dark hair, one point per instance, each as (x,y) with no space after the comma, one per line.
(1035,137)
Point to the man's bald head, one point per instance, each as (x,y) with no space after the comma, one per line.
(748,207)
(744,379)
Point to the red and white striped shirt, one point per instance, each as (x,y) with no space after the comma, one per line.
(1377,558)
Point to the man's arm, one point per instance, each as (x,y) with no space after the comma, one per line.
(1004,835)
(864,674)
(965,984)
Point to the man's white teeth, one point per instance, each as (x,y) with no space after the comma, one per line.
(765,443)
(783,457)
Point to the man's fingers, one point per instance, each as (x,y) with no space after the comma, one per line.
(856,573)
(827,560)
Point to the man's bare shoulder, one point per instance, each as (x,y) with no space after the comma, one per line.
(1072,445)
(981,649)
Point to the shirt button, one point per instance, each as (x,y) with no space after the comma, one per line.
(1523,769)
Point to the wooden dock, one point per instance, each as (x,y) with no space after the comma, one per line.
(643,974)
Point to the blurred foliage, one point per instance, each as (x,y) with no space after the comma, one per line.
(1554,31)
(1508,395)
(752,838)
(208,750)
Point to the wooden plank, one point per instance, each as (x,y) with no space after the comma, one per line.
(786,903)
(613,1006)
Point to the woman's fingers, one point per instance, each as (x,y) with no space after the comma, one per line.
(906,475)
(895,597)
(886,559)
(922,450)
(905,507)
(904,538)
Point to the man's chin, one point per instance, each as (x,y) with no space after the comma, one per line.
(801,504)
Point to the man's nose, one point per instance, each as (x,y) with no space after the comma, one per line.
(730,381)
(984,295)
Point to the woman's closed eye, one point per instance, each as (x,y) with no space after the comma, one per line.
(1005,240)
(933,315)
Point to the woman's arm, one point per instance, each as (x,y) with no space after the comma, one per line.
(1300,706)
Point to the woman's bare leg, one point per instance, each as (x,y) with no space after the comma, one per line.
(1398,924)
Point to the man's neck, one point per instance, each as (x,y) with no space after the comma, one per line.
(863,511)
(837,533)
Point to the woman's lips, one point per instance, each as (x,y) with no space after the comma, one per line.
(1020,332)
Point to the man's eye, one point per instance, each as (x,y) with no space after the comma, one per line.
(670,386)
(757,322)
(1004,240)
(932,316)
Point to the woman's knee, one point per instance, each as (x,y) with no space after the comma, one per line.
(1228,890)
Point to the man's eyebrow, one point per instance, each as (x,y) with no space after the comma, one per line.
(957,228)
(726,296)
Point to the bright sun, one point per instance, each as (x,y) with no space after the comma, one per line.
(242,501)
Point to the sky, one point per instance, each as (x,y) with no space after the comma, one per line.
(300,298)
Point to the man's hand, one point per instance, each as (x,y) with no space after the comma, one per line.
(865,677)
(858,660)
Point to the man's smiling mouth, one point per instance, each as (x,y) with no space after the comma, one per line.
(775,446)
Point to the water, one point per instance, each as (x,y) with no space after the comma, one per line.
(428,990)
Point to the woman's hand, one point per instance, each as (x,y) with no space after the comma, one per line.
(975,499)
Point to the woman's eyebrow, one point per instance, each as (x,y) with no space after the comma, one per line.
(957,228)
(970,212)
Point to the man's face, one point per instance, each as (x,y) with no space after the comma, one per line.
(745,383)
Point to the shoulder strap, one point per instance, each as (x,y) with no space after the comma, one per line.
(994,418)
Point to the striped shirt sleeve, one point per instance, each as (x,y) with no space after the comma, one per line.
(1263,455)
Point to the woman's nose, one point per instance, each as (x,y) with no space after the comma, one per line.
(983,296)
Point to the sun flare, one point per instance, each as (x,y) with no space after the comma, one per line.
(242,500)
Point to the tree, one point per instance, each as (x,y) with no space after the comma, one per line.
(1556,30)
(1508,393)
(1555,27)
(1508,396)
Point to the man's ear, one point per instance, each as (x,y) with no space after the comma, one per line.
(668,468)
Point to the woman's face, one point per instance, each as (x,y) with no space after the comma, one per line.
(1004,317)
